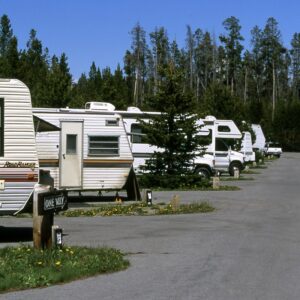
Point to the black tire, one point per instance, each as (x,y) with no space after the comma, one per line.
(233,166)
(203,171)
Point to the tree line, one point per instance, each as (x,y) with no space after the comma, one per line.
(219,76)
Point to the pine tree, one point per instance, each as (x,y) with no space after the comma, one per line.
(34,69)
(59,82)
(160,54)
(233,50)
(175,129)
(139,50)
(9,56)
(272,50)
(295,56)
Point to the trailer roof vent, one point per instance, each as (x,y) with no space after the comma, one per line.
(103,106)
(133,109)
(210,118)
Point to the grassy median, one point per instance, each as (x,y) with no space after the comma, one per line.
(24,267)
(141,209)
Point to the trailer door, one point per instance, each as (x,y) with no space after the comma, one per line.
(71,153)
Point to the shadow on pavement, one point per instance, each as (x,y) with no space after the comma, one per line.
(15,234)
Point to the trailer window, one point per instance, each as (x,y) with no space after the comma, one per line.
(2,127)
(137,136)
(103,146)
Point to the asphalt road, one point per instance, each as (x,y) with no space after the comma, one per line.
(249,248)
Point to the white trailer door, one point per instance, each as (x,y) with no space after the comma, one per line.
(71,154)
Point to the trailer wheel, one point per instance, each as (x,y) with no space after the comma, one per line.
(233,166)
(203,172)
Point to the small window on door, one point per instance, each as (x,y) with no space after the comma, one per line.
(71,144)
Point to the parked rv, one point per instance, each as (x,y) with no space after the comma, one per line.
(247,148)
(224,134)
(203,165)
(19,164)
(260,140)
(90,153)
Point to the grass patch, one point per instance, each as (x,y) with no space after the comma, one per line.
(249,171)
(259,167)
(141,209)
(231,178)
(24,267)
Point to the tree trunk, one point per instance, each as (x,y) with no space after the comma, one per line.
(274,92)
(246,86)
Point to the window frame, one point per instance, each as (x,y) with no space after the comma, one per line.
(138,135)
(68,144)
(108,122)
(117,141)
(220,127)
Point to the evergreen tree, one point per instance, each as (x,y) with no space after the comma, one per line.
(34,69)
(9,56)
(295,56)
(160,54)
(129,74)
(190,45)
(233,50)
(139,51)
(59,82)
(272,51)
(175,129)
(204,60)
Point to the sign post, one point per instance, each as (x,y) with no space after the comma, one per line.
(45,204)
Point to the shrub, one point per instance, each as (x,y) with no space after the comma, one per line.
(173,181)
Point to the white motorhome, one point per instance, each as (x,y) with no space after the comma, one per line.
(19,165)
(223,134)
(91,152)
(204,164)
(260,140)
(247,148)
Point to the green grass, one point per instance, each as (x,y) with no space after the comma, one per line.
(141,209)
(24,267)
(249,171)
(259,167)
(231,178)
(203,189)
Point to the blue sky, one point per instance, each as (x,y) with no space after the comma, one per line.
(99,30)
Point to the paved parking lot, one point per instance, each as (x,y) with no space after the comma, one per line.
(249,248)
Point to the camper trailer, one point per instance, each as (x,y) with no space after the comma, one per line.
(260,140)
(19,165)
(91,152)
(247,148)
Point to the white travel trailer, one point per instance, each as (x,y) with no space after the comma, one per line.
(19,165)
(260,137)
(91,152)
(247,148)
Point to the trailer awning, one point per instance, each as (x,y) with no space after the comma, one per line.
(41,125)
